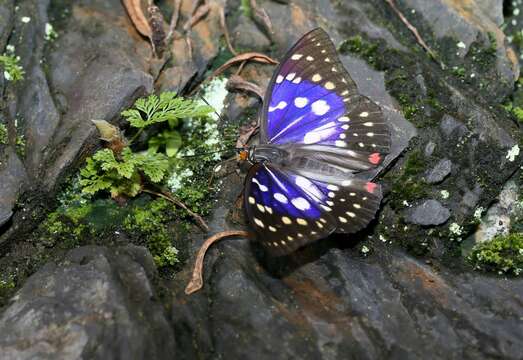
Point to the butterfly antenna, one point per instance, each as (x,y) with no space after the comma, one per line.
(213,109)
(207,153)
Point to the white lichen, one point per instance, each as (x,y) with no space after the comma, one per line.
(461,45)
(214,93)
(513,153)
(25,19)
(477,214)
(50,33)
(444,194)
(365,250)
(455,229)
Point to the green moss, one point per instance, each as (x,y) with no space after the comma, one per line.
(408,186)
(459,71)
(148,222)
(503,254)
(3,134)
(357,45)
(245,7)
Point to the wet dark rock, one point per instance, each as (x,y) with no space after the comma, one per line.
(5,215)
(326,300)
(96,304)
(451,22)
(450,126)
(13,176)
(6,17)
(429,148)
(429,212)
(439,172)
(247,36)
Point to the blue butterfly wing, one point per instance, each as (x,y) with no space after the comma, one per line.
(312,109)
(311,99)
(286,211)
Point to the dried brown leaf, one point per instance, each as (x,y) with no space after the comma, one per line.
(136,14)
(248,56)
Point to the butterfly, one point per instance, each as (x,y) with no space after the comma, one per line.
(316,133)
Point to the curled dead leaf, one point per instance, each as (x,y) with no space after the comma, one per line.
(136,14)
(248,56)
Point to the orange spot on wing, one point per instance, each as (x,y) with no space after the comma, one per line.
(375,158)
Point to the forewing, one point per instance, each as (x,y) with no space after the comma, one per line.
(309,88)
(285,211)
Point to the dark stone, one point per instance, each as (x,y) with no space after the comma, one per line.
(13,176)
(5,215)
(450,126)
(439,172)
(247,36)
(96,304)
(429,148)
(429,212)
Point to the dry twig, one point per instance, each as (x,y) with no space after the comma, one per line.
(196,282)
(260,16)
(415,32)
(223,24)
(177,202)
(174,19)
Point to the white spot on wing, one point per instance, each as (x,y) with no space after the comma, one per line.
(311,137)
(290,76)
(251,200)
(286,220)
(281,105)
(301,203)
(261,186)
(296,56)
(364,114)
(320,107)
(281,198)
(301,102)
(279,79)
(259,222)
(316,77)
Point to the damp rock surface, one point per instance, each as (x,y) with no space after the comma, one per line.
(429,212)
(97,304)
(397,289)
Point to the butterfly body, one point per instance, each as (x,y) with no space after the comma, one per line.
(316,134)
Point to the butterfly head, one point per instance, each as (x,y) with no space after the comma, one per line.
(243,154)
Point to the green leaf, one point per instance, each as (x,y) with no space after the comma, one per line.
(173,143)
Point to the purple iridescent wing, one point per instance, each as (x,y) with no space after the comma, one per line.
(286,212)
(313,111)
(312,100)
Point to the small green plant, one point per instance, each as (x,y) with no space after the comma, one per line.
(122,174)
(122,171)
(503,254)
(167,107)
(10,64)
